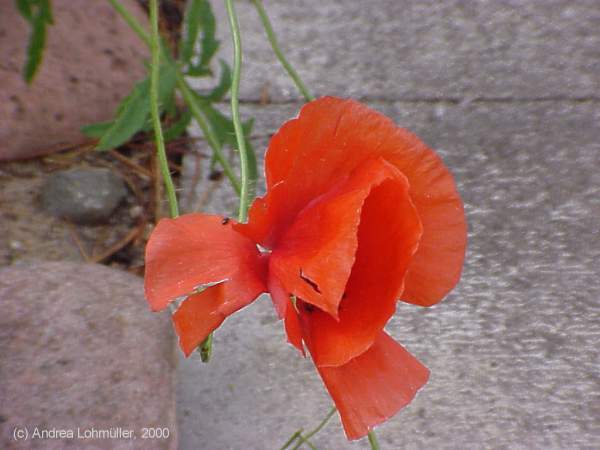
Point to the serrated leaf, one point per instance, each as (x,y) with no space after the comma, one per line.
(199,17)
(191,28)
(24,7)
(179,127)
(225,133)
(39,14)
(198,71)
(217,94)
(131,117)
(166,83)
(134,111)
(96,130)
(209,44)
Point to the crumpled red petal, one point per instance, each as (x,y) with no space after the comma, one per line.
(315,256)
(285,310)
(198,249)
(329,139)
(198,316)
(388,236)
(374,386)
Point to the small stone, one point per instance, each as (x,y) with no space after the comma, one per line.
(85,196)
(15,245)
(136,211)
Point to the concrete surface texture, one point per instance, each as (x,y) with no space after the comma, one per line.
(506,92)
(80,351)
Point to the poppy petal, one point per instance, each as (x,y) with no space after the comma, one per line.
(315,256)
(293,330)
(328,140)
(198,316)
(197,249)
(285,310)
(388,237)
(374,386)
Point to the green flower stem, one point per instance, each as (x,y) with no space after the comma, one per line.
(292,438)
(154,110)
(235,112)
(373,441)
(304,439)
(188,96)
(277,50)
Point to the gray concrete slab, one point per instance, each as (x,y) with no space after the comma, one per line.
(507,93)
(387,49)
(513,350)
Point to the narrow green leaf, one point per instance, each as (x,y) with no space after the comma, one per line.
(38,13)
(225,133)
(217,94)
(46,11)
(209,43)
(24,7)
(167,80)
(179,127)
(134,111)
(131,117)
(169,107)
(202,18)
(35,50)
(96,130)
(198,71)
(191,28)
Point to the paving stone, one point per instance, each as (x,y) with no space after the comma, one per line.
(386,49)
(81,350)
(513,350)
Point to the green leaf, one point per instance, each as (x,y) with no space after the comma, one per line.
(96,130)
(225,133)
(179,127)
(198,71)
(39,14)
(191,28)
(166,85)
(134,111)
(131,117)
(46,11)
(24,7)
(199,16)
(252,164)
(217,94)
(209,44)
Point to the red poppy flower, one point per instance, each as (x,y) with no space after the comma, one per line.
(358,214)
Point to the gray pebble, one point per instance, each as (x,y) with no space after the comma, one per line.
(83,195)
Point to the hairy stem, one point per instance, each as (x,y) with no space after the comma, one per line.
(154,110)
(215,145)
(235,112)
(304,439)
(188,96)
(373,440)
(279,53)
